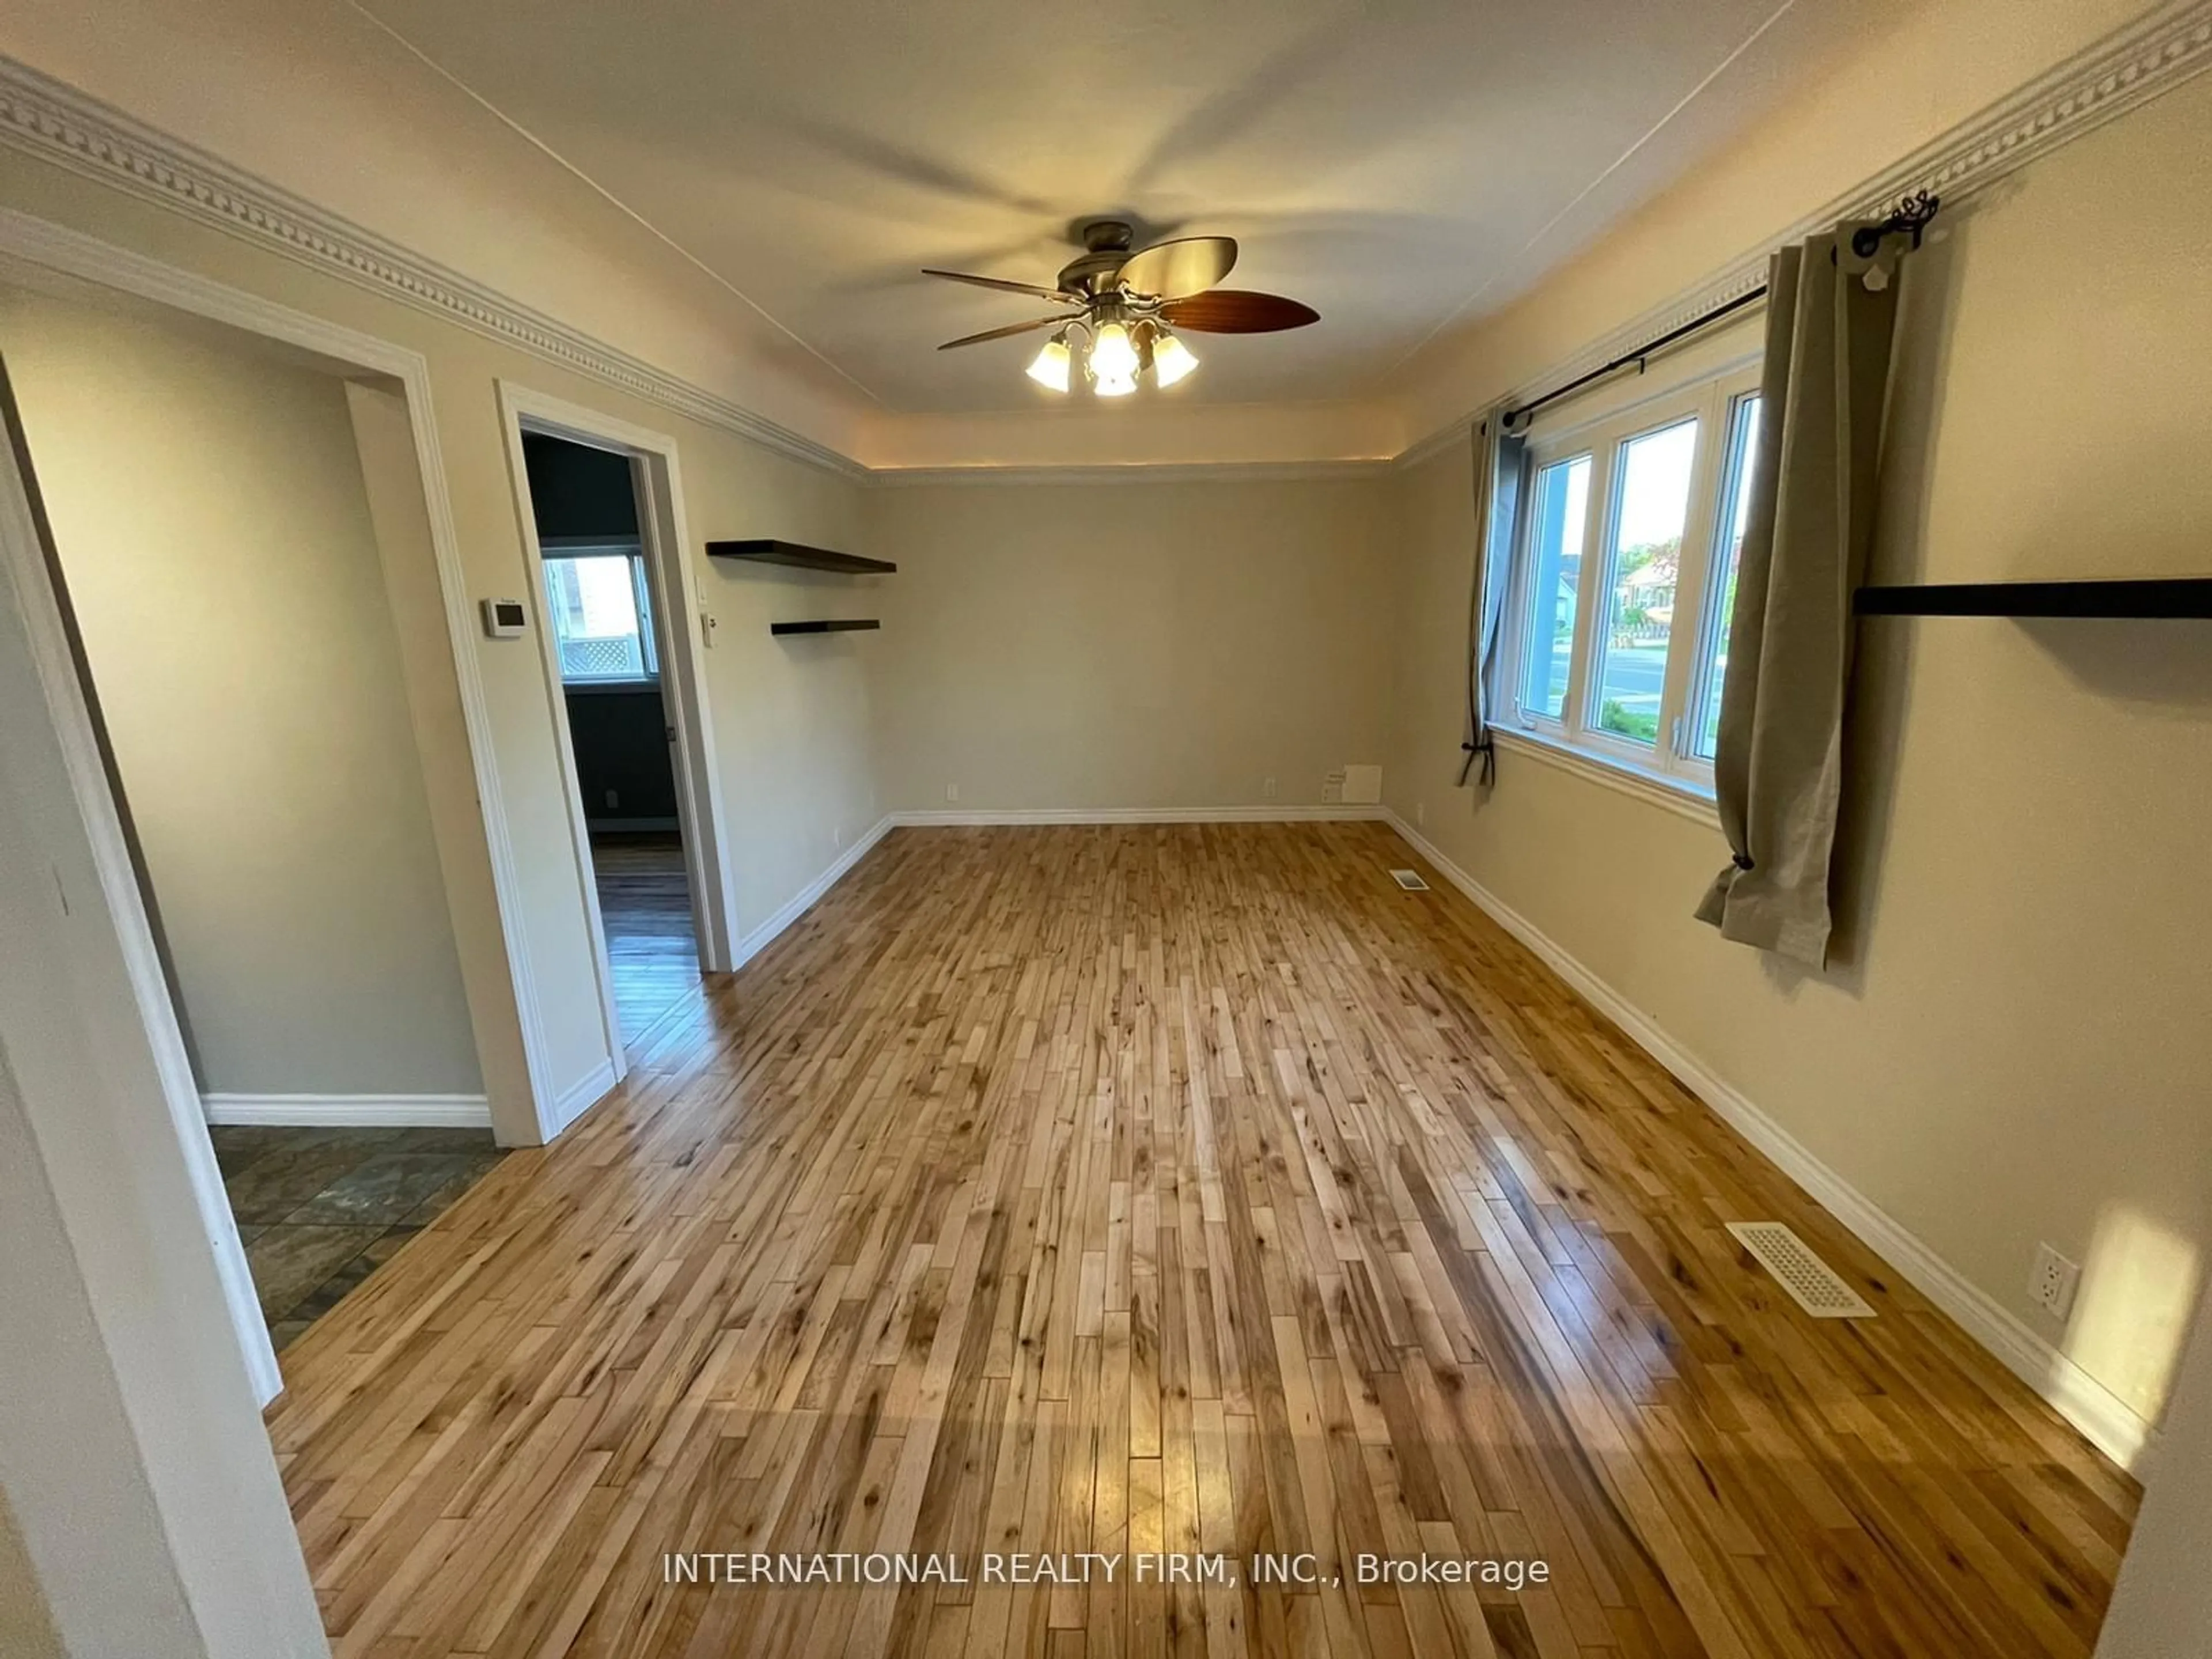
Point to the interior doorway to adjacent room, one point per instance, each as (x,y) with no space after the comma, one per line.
(230,620)
(618,638)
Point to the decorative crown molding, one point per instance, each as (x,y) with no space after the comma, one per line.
(2120,72)
(58,124)
(1136,472)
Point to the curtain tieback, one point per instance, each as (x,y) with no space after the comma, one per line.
(1743,860)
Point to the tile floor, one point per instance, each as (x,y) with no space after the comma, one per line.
(320,1209)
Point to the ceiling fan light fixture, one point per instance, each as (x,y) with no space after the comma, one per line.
(1171,359)
(1049,368)
(1116,310)
(1113,359)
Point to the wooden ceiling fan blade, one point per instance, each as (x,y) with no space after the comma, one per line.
(1237,311)
(998,283)
(1171,270)
(1002,333)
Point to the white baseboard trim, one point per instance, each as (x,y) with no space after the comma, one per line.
(351,1111)
(1016,815)
(586,1092)
(2101,1416)
(803,900)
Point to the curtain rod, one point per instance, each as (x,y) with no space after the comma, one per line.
(1912,215)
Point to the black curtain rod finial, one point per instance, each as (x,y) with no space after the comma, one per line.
(1913,216)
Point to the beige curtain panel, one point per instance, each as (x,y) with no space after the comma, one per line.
(1778,772)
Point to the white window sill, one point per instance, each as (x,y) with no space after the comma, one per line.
(1677,795)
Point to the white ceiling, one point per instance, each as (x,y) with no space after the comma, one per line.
(1401,167)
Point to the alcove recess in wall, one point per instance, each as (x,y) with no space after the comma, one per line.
(799,557)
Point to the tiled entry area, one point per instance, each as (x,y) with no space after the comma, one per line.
(320,1209)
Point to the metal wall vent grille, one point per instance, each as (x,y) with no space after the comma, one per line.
(1811,1282)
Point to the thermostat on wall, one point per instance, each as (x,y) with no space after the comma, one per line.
(504,618)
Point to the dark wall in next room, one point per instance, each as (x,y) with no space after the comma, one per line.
(576,491)
(622,748)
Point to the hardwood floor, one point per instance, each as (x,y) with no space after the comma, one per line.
(644,908)
(1138,1190)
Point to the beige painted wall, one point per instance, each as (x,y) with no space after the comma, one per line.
(207,505)
(1131,645)
(792,716)
(2014,1045)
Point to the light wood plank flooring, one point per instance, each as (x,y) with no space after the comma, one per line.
(1187,1188)
(645,909)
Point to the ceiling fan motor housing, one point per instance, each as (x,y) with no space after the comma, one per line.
(1106,243)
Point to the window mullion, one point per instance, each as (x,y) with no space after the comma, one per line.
(1699,530)
(648,645)
(1513,646)
(1590,589)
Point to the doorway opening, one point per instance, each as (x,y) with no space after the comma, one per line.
(234,643)
(620,649)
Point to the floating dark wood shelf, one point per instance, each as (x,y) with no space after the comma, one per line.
(2189,596)
(838,625)
(803,558)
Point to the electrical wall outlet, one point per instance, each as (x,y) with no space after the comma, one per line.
(1267,789)
(952,792)
(1420,813)
(2050,1287)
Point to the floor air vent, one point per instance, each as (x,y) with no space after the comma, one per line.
(1410,880)
(1811,1282)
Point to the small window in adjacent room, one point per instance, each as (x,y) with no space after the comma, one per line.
(1625,577)
(602,610)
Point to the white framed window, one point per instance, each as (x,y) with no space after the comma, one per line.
(1624,578)
(601,606)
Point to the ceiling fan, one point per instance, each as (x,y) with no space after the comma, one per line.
(1126,306)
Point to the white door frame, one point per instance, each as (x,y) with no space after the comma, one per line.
(143,1482)
(29,246)
(657,481)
